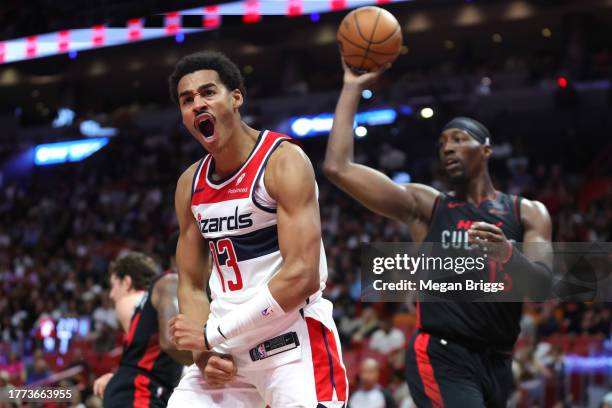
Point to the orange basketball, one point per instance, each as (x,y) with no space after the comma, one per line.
(369,37)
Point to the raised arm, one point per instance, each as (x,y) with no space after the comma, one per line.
(372,188)
(192,255)
(164,300)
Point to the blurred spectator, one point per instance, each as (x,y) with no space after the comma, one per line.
(370,394)
(367,324)
(15,369)
(387,339)
(38,370)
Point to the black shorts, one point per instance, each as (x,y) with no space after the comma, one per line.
(441,373)
(133,388)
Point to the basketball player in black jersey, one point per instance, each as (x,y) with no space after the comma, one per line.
(460,355)
(150,366)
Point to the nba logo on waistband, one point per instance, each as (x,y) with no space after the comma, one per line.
(261,351)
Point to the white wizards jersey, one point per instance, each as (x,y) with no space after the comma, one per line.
(238,218)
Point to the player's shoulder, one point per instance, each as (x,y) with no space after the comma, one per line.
(287,158)
(533,207)
(166,285)
(169,278)
(185,181)
(189,173)
(533,211)
(288,168)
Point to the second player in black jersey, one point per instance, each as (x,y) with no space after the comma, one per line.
(150,366)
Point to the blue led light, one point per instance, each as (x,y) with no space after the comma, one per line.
(62,152)
(180,37)
(306,126)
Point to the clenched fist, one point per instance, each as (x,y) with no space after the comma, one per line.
(217,369)
(186,334)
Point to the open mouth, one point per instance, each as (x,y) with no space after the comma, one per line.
(450,163)
(205,124)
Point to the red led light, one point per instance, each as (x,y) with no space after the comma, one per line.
(562,82)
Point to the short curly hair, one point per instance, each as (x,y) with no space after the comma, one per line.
(141,268)
(228,72)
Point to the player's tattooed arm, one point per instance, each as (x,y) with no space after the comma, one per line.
(164,299)
(406,203)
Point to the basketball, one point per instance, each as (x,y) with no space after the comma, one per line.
(369,37)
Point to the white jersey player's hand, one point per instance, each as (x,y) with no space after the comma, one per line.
(100,384)
(217,369)
(186,334)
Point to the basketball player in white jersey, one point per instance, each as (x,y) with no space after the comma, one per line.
(249,208)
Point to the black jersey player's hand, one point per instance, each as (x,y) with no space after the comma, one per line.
(217,369)
(488,239)
(186,334)
(362,80)
(100,384)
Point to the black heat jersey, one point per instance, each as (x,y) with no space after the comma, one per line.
(146,375)
(476,324)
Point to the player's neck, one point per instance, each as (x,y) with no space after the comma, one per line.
(476,190)
(235,153)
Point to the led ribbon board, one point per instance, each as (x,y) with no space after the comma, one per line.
(73,41)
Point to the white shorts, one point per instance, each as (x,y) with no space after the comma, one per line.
(316,377)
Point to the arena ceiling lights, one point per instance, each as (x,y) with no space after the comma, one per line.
(73,41)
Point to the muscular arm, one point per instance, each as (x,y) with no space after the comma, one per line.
(290,181)
(537,247)
(192,255)
(537,230)
(407,203)
(164,300)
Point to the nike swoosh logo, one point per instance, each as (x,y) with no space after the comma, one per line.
(199,190)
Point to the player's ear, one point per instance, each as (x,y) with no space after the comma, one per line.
(237,99)
(128,282)
(487,151)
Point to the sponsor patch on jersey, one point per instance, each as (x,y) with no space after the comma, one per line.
(276,345)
